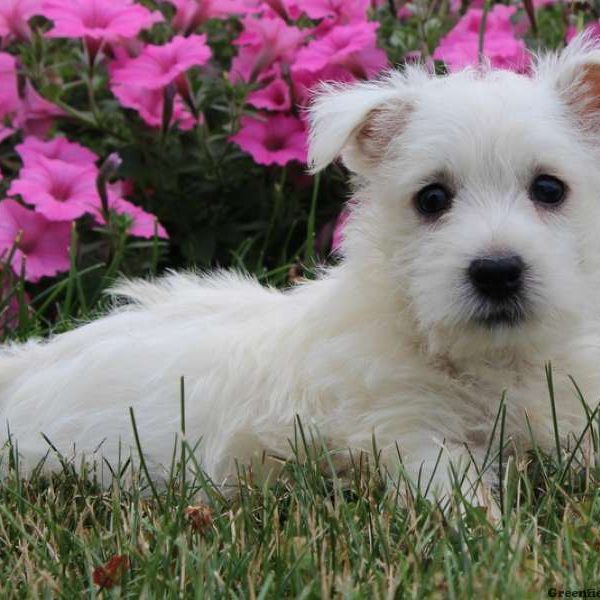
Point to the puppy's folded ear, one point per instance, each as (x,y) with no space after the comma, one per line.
(356,122)
(575,74)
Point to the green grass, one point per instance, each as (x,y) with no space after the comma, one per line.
(305,535)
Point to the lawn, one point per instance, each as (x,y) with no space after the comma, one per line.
(178,167)
(307,534)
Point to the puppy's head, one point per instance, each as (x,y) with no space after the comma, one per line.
(477,205)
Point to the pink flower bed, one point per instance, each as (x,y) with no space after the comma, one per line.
(152,60)
(460,47)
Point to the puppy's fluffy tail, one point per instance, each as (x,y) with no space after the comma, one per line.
(200,290)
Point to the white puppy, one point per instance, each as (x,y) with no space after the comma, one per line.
(472,257)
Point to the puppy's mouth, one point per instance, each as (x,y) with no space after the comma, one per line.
(506,315)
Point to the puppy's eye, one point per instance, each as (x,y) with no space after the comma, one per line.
(433,200)
(547,190)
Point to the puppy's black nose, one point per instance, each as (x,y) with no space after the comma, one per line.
(497,277)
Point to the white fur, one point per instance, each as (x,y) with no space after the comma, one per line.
(382,344)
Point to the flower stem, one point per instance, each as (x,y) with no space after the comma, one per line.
(482,28)
(310,226)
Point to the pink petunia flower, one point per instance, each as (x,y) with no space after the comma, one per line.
(460,47)
(158,66)
(336,12)
(274,140)
(36,115)
(9,95)
(190,14)
(32,148)
(98,22)
(32,113)
(284,9)
(263,42)
(42,246)
(142,223)
(274,96)
(149,104)
(14,17)
(58,190)
(5,132)
(352,47)
(304,82)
